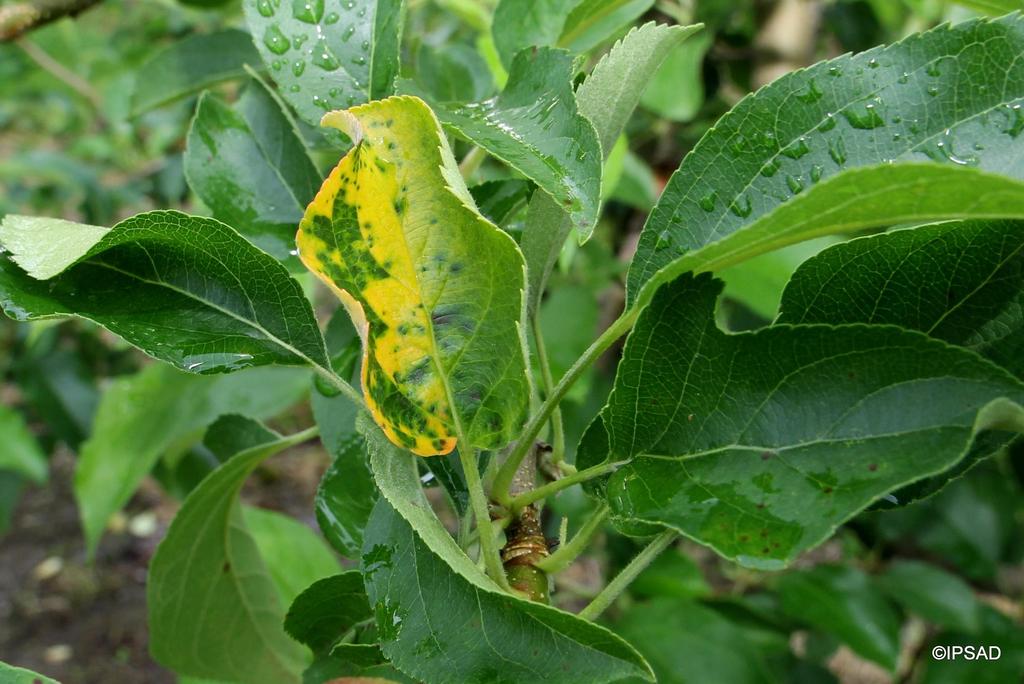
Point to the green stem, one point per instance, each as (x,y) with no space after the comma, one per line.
(472,161)
(520,502)
(345,388)
(478,501)
(508,469)
(557,427)
(628,574)
(564,556)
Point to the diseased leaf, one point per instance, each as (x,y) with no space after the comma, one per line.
(144,416)
(958,282)
(214,611)
(328,54)
(933,594)
(844,602)
(533,125)
(202,297)
(415,572)
(396,234)
(760,444)
(326,610)
(608,98)
(758,181)
(21,452)
(191,64)
(248,164)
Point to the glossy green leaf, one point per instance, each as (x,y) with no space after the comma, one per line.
(840,159)
(395,234)
(326,610)
(592,22)
(416,574)
(428,613)
(689,643)
(608,98)
(9,674)
(214,610)
(958,282)
(676,91)
(249,166)
(534,126)
(844,602)
(931,593)
(202,297)
(189,65)
(296,556)
(346,493)
(760,444)
(519,24)
(328,54)
(21,452)
(144,416)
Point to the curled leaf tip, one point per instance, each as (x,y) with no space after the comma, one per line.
(346,122)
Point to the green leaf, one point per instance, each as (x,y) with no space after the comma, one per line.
(520,24)
(993,7)
(759,282)
(997,630)
(395,234)
(578,25)
(202,297)
(328,54)
(17,675)
(844,602)
(248,164)
(295,555)
(591,23)
(327,609)
(437,624)
(849,153)
(214,610)
(676,91)
(453,72)
(144,416)
(191,64)
(608,98)
(416,575)
(688,643)
(760,444)
(958,282)
(672,574)
(533,126)
(933,594)
(21,453)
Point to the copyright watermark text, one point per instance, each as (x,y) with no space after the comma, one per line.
(966,652)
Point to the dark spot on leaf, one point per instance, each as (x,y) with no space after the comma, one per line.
(765,455)
(873,467)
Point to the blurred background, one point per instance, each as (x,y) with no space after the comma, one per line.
(94,113)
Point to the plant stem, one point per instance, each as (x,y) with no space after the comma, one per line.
(564,556)
(628,574)
(523,500)
(19,17)
(508,469)
(472,161)
(345,388)
(478,501)
(557,428)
